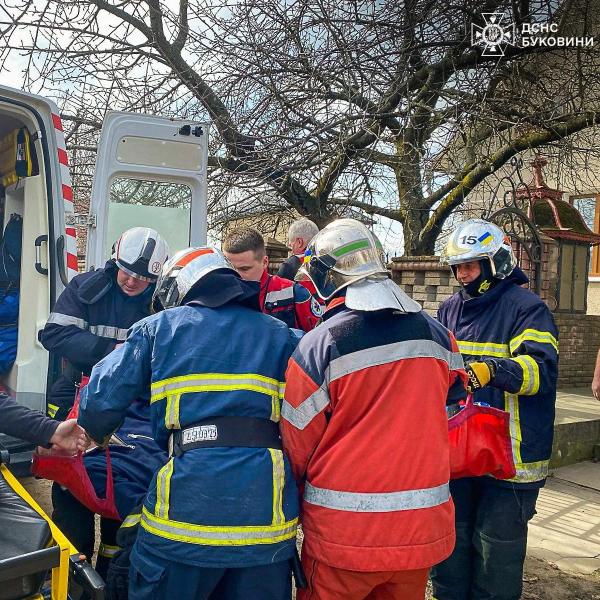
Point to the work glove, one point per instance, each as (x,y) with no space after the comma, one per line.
(479,374)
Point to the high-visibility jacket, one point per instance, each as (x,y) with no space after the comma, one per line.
(289,302)
(512,327)
(89,318)
(219,506)
(365,427)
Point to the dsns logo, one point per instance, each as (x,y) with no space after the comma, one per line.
(496,33)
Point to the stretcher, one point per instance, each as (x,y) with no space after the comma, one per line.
(37,562)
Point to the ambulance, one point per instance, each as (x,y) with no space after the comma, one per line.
(150,171)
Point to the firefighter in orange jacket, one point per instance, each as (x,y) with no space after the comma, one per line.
(366,439)
(281,298)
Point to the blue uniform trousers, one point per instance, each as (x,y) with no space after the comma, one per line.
(491,540)
(154,578)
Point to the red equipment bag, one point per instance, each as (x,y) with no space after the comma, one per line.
(70,472)
(480,442)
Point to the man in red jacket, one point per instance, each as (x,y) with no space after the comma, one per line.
(365,428)
(281,298)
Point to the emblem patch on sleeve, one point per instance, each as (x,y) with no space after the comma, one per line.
(316,307)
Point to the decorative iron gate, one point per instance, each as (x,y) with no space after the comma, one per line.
(512,213)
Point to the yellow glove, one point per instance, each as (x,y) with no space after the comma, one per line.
(480,374)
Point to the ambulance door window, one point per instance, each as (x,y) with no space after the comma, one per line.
(164,206)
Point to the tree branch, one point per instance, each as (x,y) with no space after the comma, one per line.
(481,170)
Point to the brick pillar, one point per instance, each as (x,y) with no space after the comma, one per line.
(549,266)
(424,279)
(579,340)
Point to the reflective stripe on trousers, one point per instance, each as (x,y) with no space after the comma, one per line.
(107,550)
(377,502)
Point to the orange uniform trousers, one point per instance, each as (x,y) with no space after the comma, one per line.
(330,583)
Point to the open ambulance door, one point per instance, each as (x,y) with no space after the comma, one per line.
(150,172)
(35,196)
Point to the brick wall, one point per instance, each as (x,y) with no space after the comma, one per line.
(550,255)
(277,253)
(579,340)
(430,283)
(424,279)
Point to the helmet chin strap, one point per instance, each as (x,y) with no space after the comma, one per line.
(483,283)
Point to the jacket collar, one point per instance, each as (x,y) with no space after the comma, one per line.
(219,288)
(517,277)
(334,306)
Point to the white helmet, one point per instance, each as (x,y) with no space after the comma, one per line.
(477,239)
(345,254)
(185,270)
(341,253)
(141,253)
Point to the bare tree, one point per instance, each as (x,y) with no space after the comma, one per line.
(320,106)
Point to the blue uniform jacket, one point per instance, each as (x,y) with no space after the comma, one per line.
(91,315)
(212,507)
(134,463)
(514,328)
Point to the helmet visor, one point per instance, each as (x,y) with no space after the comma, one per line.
(344,252)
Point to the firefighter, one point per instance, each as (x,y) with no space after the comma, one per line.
(300,233)
(367,439)
(90,318)
(288,301)
(220,516)
(508,340)
(96,309)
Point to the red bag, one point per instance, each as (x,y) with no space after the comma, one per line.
(480,442)
(70,472)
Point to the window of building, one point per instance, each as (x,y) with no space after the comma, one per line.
(589,207)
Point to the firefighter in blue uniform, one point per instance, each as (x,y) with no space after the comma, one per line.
(220,517)
(508,340)
(90,318)
(94,312)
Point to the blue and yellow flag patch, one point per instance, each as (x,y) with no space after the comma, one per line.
(486,238)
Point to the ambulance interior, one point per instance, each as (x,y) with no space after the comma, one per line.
(24,281)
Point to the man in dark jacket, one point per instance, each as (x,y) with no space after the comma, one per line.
(89,319)
(300,233)
(96,309)
(508,340)
(30,425)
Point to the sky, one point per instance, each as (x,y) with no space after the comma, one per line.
(390,232)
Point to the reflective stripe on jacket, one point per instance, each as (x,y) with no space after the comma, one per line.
(83,328)
(513,327)
(365,427)
(217,507)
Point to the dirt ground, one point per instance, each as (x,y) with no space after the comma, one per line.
(542,580)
